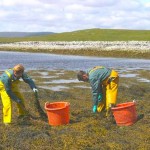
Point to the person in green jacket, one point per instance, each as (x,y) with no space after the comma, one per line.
(9,90)
(104,83)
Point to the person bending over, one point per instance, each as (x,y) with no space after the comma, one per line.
(104,83)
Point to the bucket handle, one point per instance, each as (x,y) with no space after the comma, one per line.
(46,104)
(66,104)
(134,101)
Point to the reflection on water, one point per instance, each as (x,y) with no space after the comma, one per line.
(54,88)
(143,80)
(48,77)
(128,75)
(63,84)
(41,61)
(50,62)
(43,73)
(64,81)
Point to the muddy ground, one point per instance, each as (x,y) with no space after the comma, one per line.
(86,131)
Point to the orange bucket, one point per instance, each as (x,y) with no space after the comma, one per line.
(58,113)
(125,114)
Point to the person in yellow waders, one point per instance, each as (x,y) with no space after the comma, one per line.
(104,83)
(9,90)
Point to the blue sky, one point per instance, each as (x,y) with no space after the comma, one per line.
(70,15)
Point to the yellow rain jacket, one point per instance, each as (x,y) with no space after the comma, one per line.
(103,81)
(9,90)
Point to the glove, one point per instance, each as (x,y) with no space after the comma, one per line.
(35,90)
(100,96)
(94,108)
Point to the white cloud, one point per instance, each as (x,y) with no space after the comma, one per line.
(3,13)
(69,15)
(147,5)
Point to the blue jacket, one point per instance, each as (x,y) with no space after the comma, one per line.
(96,76)
(7,78)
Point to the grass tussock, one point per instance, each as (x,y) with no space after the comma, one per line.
(86,131)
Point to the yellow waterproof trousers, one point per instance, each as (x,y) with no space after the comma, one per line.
(110,91)
(6,101)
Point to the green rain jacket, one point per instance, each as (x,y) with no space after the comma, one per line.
(96,76)
(7,81)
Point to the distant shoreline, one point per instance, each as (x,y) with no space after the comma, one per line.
(125,49)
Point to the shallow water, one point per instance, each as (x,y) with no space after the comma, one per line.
(37,61)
